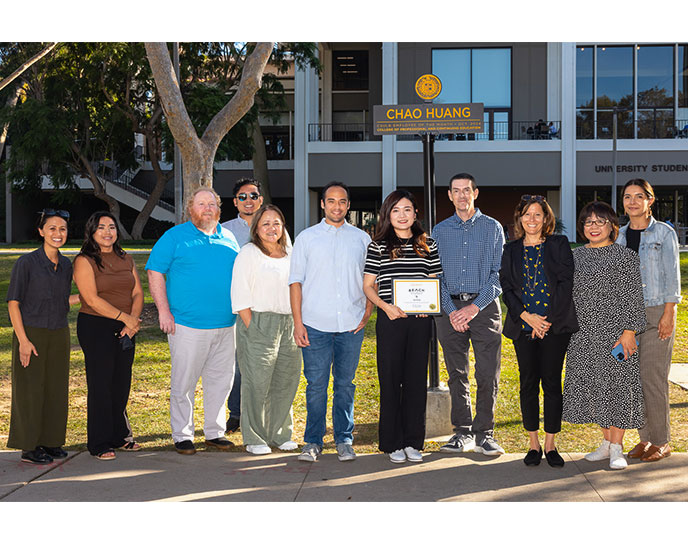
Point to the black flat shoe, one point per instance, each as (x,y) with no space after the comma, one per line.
(554,459)
(37,456)
(55,452)
(533,457)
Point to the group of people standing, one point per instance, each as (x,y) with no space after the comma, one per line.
(609,307)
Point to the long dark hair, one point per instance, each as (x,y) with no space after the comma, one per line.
(644,185)
(90,247)
(385,231)
(548,219)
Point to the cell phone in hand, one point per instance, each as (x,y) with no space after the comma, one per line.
(618,352)
(126,343)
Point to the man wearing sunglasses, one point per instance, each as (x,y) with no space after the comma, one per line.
(248,200)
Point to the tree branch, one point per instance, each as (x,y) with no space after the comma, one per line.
(239,105)
(40,55)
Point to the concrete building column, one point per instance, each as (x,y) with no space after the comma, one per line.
(390,93)
(305,112)
(568,139)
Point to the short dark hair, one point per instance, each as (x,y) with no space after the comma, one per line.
(463,176)
(601,210)
(245,181)
(334,184)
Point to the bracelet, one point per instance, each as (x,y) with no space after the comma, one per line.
(118,315)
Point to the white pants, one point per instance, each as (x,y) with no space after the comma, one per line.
(194,354)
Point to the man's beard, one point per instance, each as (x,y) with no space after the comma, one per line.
(203,223)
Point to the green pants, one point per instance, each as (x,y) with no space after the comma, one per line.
(40,391)
(270,365)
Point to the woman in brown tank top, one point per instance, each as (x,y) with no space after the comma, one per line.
(111,303)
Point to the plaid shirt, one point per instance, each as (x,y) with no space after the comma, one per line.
(471,255)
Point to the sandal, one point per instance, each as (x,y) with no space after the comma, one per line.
(130,446)
(106,455)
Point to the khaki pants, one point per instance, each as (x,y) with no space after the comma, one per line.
(270,365)
(655,362)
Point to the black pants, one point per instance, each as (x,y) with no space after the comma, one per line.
(108,378)
(541,360)
(402,368)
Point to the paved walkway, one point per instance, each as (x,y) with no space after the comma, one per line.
(214,476)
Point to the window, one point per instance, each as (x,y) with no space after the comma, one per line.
(655,91)
(584,93)
(477,75)
(350,70)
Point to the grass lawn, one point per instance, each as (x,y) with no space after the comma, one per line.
(149,402)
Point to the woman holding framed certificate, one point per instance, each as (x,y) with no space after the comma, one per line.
(537,281)
(401,251)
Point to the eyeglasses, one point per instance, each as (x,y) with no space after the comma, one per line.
(536,198)
(599,222)
(243,196)
(47,212)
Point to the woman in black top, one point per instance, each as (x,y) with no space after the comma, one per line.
(537,278)
(38,301)
(401,249)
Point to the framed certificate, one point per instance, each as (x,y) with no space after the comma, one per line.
(417,296)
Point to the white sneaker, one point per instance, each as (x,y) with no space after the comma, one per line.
(616,457)
(600,453)
(413,455)
(398,457)
(288,446)
(258,449)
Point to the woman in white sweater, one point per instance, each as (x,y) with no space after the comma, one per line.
(268,357)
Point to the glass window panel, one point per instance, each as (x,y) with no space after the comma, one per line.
(683,75)
(453,68)
(350,70)
(655,76)
(584,124)
(584,77)
(656,123)
(605,125)
(501,125)
(491,77)
(614,76)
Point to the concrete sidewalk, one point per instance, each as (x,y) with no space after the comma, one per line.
(213,476)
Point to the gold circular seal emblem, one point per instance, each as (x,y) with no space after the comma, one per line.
(428,86)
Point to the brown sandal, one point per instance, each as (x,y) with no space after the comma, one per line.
(639,450)
(130,446)
(655,453)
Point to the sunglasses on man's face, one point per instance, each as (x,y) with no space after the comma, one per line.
(47,212)
(243,196)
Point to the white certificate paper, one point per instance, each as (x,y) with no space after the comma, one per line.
(416,296)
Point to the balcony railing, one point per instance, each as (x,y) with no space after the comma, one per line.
(515,130)
(645,128)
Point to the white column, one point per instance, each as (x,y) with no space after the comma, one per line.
(568,138)
(390,92)
(554,81)
(305,111)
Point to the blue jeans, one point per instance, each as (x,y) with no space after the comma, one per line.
(234,399)
(340,351)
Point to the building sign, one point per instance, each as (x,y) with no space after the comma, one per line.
(443,118)
(428,87)
(642,168)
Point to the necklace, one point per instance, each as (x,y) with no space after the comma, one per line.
(536,264)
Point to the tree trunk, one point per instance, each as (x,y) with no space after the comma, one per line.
(11,103)
(160,180)
(260,162)
(198,154)
(100,193)
(40,55)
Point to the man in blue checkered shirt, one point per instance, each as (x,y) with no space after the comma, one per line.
(470,246)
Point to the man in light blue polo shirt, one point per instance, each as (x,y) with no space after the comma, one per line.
(190,277)
(330,312)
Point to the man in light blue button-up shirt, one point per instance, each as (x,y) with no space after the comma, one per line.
(330,312)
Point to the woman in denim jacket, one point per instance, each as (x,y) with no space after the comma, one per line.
(657,245)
